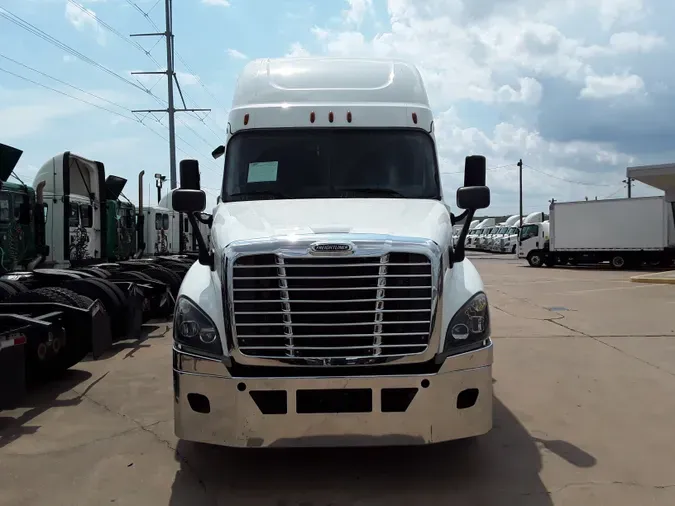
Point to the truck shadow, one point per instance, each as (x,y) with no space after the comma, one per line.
(43,396)
(500,468)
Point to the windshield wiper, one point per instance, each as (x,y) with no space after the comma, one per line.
(382,191)
(268,193)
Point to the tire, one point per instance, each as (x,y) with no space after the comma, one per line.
(106,292)
(6,290)
(618,262)
(70,350)
(535,258)
(133,276)
(17,285)
(166,276)
(98,273)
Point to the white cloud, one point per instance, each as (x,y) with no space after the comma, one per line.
(357,10)
(221,3)
(237,55)
(297,51)
(611,86)
(187,79)
(624,43)
(520,58)
(612,12)
(84,19)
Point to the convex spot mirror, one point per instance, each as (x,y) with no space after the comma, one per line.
(473,197)
(189,201)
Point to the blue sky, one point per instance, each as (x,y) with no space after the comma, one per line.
(577,88)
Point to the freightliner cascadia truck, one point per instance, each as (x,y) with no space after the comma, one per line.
(331,307)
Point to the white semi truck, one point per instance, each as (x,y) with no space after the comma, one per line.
(623,232)
(331,308)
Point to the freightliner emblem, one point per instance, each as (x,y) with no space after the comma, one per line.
(331,248)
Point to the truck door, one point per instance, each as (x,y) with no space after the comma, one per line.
(529,240)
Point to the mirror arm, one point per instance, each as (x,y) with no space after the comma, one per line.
(454,219)
(208,221)
(460,252)
(205,256)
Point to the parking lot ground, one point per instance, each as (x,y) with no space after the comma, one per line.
(584,382)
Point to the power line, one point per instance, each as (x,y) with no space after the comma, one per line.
(79,99)
(114,31)
(508,165)
(567,180)
(58,81)
(146,15)
(65,47)
(67,95)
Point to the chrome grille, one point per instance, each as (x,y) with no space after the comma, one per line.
(318,308)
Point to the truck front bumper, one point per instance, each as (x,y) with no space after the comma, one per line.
(210,406)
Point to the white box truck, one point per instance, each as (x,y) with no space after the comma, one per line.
(331,308)
(624,232)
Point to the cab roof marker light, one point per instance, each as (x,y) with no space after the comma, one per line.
(331,116)
(312,117)
(414,117)
(246,119)
(349,116)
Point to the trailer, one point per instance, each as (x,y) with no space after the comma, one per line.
(624,232)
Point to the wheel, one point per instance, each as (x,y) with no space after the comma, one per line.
(96,272)
(618,262)
(17,285)
(6,290)
(46,355)
(535,258)
(167,276)
(133,276)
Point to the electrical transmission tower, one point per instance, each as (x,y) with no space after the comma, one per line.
(171,78)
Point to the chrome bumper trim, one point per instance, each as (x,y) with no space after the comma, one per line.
(234,418)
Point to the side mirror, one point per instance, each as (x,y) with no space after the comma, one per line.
(218,152)
(189,175)
(189,201)
(474,170)
(474,197)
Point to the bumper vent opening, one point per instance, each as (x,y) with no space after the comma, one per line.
(199,403)
(467,398)
(318,309)
(397,400)
(270,402)
(348,400)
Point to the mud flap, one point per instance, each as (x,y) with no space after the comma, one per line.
(100,332)
(133,311)
(12,374)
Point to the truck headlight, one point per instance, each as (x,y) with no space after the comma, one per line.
(194,329)
(469,327)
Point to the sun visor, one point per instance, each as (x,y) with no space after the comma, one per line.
(9,157)
(114,186)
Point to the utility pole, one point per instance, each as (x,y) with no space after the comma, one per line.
(629,183)
(520,184)
(171,77)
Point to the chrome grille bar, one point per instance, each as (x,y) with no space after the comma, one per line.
(323,308)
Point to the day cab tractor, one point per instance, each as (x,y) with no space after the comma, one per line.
(45,328)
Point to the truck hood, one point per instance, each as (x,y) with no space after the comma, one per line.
(235,221)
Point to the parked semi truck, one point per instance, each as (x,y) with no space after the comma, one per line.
(623,232)
(331,308)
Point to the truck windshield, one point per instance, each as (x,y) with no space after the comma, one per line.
(528,231)
(297,164)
